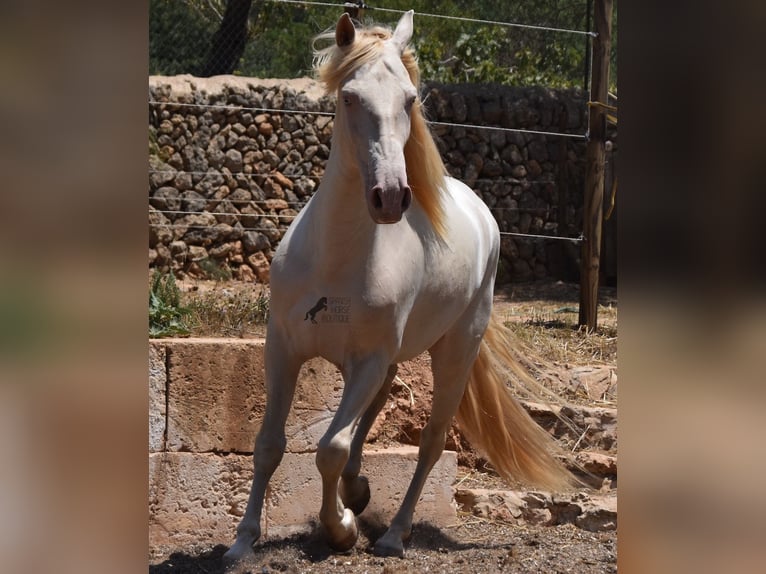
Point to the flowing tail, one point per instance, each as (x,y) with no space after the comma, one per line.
(495,423)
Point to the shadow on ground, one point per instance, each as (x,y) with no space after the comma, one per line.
(565,292)
(311,547)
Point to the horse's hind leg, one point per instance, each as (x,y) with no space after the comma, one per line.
(363,380)
(355,489)
(451,360)
(281,376)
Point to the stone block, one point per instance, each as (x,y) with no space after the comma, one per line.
(197,499)
(390,471)
(157,389)
(295,490)
(217,397)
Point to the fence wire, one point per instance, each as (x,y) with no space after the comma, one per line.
(272,38)
(212,37)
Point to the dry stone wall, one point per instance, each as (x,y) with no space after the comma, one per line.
(225,182)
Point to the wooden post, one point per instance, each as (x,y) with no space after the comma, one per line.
(562,178)
(594,174)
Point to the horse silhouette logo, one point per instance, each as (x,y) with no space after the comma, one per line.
(321,305)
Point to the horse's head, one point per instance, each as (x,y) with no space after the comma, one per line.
(374,104)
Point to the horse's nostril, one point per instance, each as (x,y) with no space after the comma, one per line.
(377,200)
(406,199)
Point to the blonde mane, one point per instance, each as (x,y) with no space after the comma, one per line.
(425,169)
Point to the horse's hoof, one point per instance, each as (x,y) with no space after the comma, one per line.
(388,547)
(347,541)
(356,494)
(239,551)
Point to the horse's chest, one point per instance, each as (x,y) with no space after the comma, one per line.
(332,323)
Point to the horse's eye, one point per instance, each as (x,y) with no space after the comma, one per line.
(409,102)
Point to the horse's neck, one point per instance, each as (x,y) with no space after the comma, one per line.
(341,194)
(342,225)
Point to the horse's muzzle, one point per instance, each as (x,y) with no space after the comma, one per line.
(387,206)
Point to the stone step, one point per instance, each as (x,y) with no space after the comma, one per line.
(197,499)
(209,395)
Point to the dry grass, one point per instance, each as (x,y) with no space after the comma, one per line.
(226,309)
(579,366)
(555,336)
(543,317)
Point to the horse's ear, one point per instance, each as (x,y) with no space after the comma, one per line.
(403,33)
(344,31)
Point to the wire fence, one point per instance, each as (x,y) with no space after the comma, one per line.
(279,221)
(506,42)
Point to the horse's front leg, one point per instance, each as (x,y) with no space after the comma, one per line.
(363,380)
(355,489)
(281,376)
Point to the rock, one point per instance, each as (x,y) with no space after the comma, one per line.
(160,231)
(459,108)
(260,265)
(179,251)
(160,172)
(244,273)
(226,213)
(598,514)
(491,169)
(233,160)
(593,512)
(220,251)
(163,258)
(197,253)
(194,159)
(275,205)
(600,464)
(533,168)
(166,199)
(519,172)
(282,180)
(253,241)
(216,158)
(183,181)
(194,221)
(210,182)
(270,230)
(192,201)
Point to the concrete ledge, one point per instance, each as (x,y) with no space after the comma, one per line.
(197,499)
(216,397)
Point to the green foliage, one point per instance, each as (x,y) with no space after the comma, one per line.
(167,317)
(214,269)
(154,148)
(180,32)
(449,51)
(280,39)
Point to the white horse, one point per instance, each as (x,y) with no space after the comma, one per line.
(388,259)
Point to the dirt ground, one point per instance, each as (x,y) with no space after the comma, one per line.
(473,544)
